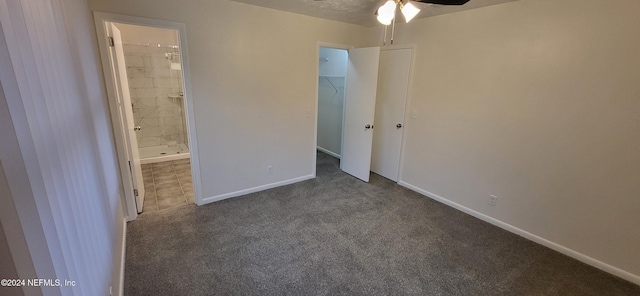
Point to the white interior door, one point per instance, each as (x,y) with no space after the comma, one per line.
(360,105)
(393,83)
(116,54)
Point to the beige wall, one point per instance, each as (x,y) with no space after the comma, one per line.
(253,76)
(536,102)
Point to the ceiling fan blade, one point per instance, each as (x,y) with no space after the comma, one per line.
(444,2)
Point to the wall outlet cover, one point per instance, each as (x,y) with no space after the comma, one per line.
(493,200)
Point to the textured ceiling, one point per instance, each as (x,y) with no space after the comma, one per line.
(360,12)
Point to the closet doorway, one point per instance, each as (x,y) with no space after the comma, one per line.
(362,97)
(332,72)
(346,104)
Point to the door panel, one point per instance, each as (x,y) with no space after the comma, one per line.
(360,104)
(393,82)
(116,54)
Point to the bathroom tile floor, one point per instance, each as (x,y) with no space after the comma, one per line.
(167,184)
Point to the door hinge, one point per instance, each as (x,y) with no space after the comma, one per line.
(135,192)
(110,41)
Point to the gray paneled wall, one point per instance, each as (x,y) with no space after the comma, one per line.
(61,209)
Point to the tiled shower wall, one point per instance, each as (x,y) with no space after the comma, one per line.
(151,82)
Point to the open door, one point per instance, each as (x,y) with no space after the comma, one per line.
(360,105)
(116,57)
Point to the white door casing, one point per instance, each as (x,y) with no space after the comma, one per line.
(102,23)
(116,56)
(360,105)
(393,83)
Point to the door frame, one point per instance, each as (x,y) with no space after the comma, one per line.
(315,130)
(407,109)
(101,20)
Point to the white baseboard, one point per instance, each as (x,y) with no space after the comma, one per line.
(530,236)
(336,155)
(256,189)
(118,287)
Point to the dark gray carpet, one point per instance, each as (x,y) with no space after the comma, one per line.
(336,235)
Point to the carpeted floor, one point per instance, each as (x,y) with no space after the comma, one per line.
(336,235)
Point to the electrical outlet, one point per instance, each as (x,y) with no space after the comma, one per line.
(414,114)
(493,200)
(269,170)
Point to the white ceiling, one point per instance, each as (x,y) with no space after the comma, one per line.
(359,12)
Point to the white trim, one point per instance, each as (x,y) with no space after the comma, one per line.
(530,236)
(398,46)
(123,253)
(336,155)
(164,158)
(333,45)
(101,19)
(256,189)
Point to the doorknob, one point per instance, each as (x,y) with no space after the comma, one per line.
(137,128)
(368,126)
(399,125)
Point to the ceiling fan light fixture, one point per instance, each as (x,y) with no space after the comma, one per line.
(387,12)
(409,11)
(384,20)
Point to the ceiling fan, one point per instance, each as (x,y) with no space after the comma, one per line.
(387,12)
(444,2)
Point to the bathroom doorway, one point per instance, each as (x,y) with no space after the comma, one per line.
(154,74)
(144,64)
